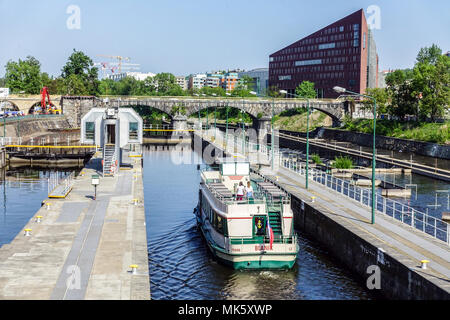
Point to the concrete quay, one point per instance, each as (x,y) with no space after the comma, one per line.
(83,248)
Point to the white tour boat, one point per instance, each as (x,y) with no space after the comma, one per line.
(254,232)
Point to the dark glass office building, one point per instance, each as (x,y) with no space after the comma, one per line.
(341,54)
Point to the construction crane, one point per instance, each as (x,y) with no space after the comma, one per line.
(119,59)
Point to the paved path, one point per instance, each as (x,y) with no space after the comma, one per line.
(83,248)
(407,243)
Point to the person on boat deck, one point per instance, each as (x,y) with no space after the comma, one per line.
(240,191)
(249,190)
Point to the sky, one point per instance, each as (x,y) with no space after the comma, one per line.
(191,36)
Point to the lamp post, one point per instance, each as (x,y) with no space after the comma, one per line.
(307,133)
(215,120)
(343,90)
(226,126)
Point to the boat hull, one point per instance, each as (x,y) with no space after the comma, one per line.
(239,261)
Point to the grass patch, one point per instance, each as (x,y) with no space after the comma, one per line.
(421,131)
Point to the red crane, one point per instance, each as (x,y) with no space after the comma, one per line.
(44,92)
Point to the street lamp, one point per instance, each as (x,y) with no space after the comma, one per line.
(307,133)
(226,126)
(343,90)
(215,120)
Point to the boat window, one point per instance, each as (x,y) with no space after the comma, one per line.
(219,224)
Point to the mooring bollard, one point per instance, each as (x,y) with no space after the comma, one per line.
(423,264)
(136,201)
(38,219)
(134,268)
(313,199)
(48,204)
(27,232)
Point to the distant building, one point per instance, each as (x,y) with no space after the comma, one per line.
(229,81)
(182,82)
(213,80)
(260,78)
(341,54)
(196,81)
(136,75)
(382,78)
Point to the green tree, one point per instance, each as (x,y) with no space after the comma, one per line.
(79,65)
(429,55)
(24,75)
(166,84)
(306,90)
(381,95)
(402,99)
(431,81)
(274,92)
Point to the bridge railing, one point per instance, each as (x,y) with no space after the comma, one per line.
(28,117)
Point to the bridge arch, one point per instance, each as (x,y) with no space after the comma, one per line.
(11,106)
(38,103)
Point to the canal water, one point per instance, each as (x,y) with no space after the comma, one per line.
(181,266)
(22,192)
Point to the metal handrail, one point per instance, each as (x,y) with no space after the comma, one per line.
(437,228)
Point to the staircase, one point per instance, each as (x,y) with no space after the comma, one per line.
(275,222)
(109,158)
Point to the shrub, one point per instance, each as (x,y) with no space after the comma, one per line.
(343,163)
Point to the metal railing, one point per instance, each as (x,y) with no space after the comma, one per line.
(404,213)
(56,179)
(28,117)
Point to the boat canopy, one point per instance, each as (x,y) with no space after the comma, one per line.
(234,166)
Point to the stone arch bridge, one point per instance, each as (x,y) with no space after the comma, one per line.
(259,109)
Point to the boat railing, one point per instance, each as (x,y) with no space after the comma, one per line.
(278,239)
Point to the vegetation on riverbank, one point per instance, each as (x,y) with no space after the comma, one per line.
(421,131)
(342,163)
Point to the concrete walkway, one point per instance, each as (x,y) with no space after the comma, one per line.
(83,249)
(407,244)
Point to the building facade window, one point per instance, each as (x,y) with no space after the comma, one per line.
(327,46)
(133,131)
(288,77)
(308,62)
(90,130)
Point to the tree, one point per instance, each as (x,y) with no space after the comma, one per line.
(274,92)
(306,90)
(429,55)
(381,96)
(166,84)
(81,66)
(403,101)
(24,75)
(431,80)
